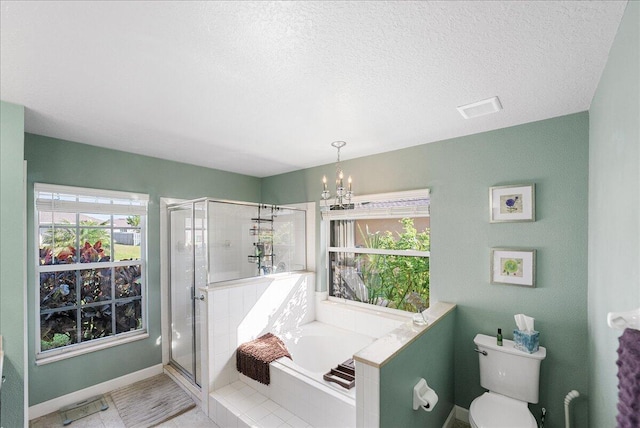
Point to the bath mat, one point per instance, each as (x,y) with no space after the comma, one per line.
(253,358)
(84,408)
(151,401)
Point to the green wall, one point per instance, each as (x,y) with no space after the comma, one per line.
(614,210)
(66,163)
(12,252)
(553,154)
(429,357)
(560,155)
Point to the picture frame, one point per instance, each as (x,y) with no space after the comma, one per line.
(513,266)
(513,203)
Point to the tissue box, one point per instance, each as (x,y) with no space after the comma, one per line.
(526,341)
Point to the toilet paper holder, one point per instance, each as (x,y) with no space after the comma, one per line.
(424,397)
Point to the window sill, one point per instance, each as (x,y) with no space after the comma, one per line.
(370,308)
(42,359)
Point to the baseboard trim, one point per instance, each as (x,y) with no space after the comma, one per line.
(448,423)
(462,414)
(55,404)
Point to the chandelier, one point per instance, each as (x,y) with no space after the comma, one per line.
(342,199)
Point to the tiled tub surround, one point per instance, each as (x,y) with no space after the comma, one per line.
(242,310)
(317,347)
(286,305)
(298,386)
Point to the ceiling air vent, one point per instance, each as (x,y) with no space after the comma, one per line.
(480,108)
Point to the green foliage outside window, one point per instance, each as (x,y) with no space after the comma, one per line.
(83,297)
(59,244)
(133,220)
(396,281)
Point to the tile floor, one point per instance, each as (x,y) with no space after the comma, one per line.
(236,401)
(460,424)
(240,405)
(111,419)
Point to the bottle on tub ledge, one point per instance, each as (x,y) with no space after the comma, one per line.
(499,337)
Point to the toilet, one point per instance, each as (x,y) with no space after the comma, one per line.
(512,377)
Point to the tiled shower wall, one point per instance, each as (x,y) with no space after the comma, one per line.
(230,243)
(244,310)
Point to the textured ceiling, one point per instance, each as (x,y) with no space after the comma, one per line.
(262,88)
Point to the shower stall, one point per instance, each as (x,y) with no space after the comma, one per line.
(212,242)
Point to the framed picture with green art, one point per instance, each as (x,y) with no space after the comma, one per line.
(512,203)
(513,266)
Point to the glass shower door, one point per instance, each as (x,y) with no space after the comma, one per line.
(187,234)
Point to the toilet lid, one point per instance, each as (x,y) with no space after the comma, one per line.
(497,411)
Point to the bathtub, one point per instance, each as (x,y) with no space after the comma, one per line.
(298,385)
(315,348)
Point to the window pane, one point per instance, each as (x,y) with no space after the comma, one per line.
(95,245)
(48,217)
(393,233)
(96,322)
(92,219)
(399,282)
(128,316)
(57,289)
(127,244)
(121,221)
(343,233)
(58,329)
(95,285)
(128,281)
(57,245)
(342,269)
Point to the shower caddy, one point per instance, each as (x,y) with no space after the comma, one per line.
(262,232)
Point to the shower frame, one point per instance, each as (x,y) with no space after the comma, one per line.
(200,276)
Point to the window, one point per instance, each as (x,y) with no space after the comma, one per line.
(90,268)
(378,252)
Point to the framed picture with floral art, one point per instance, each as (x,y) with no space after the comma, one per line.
(513,266)
(512,203)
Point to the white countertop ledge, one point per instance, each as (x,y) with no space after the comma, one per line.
(384,349)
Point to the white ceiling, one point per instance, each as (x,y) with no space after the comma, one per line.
(262,88)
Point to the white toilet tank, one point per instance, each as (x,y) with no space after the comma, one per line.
(507,370)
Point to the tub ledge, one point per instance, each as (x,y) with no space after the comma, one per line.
(384,349)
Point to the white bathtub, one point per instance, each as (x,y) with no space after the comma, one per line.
(316,348)
(298,385)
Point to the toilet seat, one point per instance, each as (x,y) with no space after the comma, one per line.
(492,410)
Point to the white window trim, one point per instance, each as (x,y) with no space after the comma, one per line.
(138,206)
(89,347)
